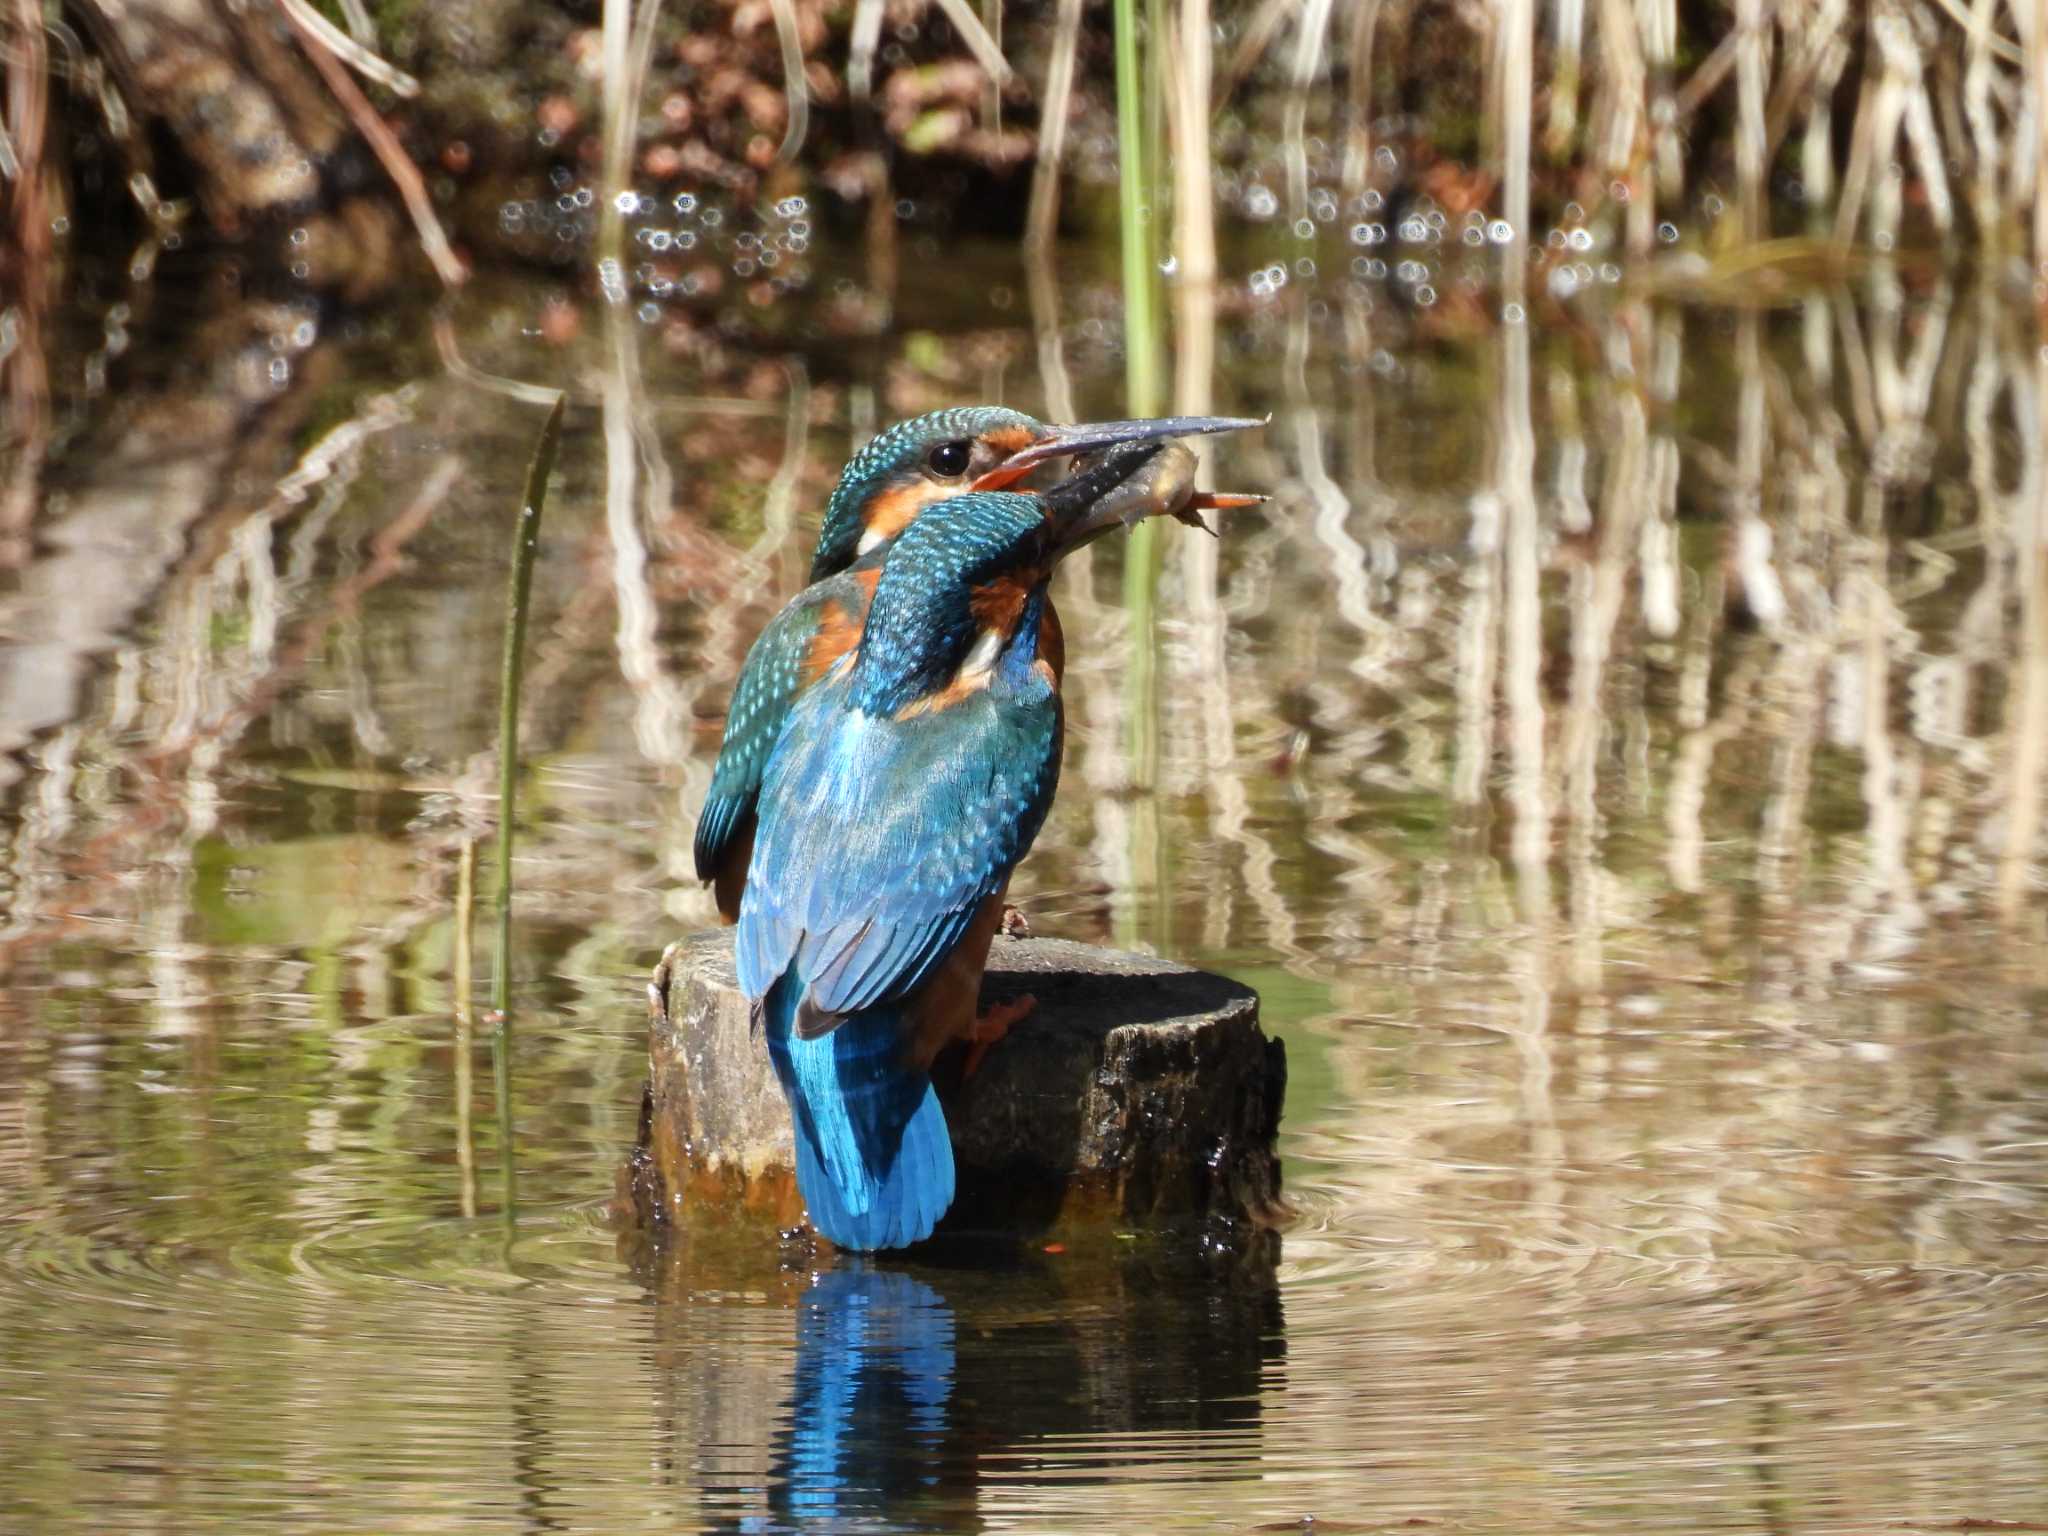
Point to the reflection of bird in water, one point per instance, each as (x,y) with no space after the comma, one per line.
(903,1397)
(867,1415)
(910,754)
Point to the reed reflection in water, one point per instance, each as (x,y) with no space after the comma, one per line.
(1616,755)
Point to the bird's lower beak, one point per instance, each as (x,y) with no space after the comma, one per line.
(1097,436)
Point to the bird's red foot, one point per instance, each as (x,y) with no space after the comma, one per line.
(1015,924)
(991,1025)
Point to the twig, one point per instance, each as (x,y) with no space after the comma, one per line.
(1706,80)
(351,50)
(795,88)
(1042,223)
(1308,58)
(1980,32)
(860,49)
(984,48)
(360,26)
(1365,18)
(389,152)
(1258,37)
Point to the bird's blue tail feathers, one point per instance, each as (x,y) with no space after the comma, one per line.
(874,1160)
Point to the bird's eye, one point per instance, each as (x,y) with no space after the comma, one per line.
(949,459)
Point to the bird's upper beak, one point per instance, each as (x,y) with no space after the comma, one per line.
(1096,436)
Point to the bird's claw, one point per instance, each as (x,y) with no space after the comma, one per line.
(1015,924)
(990,1025)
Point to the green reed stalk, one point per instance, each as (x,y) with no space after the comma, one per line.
(1137,206)
(525,545)
(1141,313)
(465,1024)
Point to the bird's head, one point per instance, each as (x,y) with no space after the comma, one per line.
(965,448)
(961,592)
(909,466)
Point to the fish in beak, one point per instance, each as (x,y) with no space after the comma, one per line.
(1123,484)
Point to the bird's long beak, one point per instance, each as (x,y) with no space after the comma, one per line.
(1096,436)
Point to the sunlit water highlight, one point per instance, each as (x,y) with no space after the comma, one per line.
(1615,755)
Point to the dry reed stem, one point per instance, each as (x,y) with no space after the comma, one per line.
(1265,25)
(638,486)
(1194,186)
(25,432)
(27,124)
(1308,56)
(1568,26)
(352,51)
(1365,19)
(1516,48)
(987,52)
(865,37)
(1751,64)
(1042,222)
(1521,637)
(796,91)
(405,176)
(992,95)
(2034,27)
(626,47)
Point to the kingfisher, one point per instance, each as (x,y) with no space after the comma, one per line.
(910,775)
(914,465)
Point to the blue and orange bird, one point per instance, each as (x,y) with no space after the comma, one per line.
(907,781)
(888,484)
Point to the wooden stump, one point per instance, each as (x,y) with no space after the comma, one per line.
(1138,1094)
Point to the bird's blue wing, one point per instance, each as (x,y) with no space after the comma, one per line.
(769,681)
(880,838)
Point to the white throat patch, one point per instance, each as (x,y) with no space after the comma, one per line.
(988,645)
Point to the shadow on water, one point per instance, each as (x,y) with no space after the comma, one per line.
(907,1398)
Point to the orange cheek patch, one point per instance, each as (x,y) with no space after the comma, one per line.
(1000,604)
(838,633)
(1006,441)
(893,510)
(839,629)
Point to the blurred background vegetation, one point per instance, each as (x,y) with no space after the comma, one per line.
(1697,123)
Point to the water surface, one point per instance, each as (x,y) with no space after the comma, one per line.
(1615,754)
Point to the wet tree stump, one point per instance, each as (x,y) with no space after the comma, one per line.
(1138,1094)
